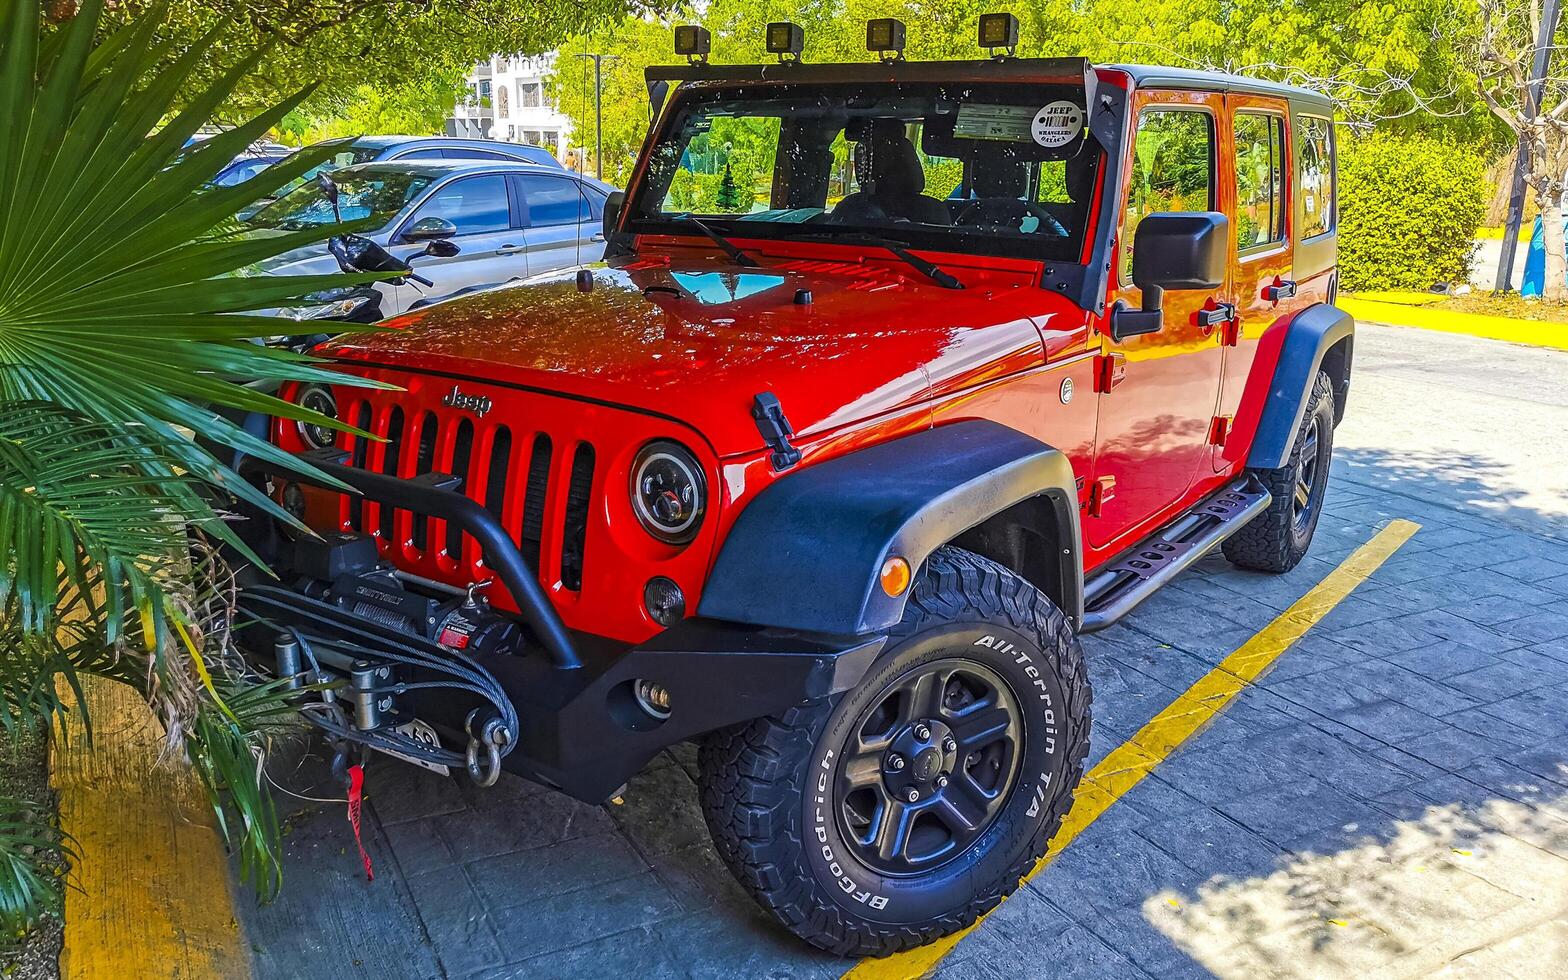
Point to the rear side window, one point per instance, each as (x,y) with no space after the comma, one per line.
(1260,189)
(551,200)
(1172,169)
(1315,175)
(476,205)
(428,153)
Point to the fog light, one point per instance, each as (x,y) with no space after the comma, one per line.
(785,40)
(885,36)
(665,601)
(895,576)
(652,698)
(692,41)
(999,30)
(294,500)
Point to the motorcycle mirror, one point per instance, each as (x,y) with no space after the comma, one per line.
(430,229)
(356,253)
(329,190)
(441,248)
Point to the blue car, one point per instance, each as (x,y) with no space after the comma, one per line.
(375,149)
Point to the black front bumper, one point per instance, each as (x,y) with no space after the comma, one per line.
(582,729)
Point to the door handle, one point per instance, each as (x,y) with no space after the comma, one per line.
(1221,313)
(508,249)
(597,238)
(1279,289)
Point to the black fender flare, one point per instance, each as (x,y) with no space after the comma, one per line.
(1311,334)
(807,553)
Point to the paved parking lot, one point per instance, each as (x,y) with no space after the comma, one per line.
(1390,800)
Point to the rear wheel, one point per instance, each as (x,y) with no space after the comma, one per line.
(1277,539)
(905,808)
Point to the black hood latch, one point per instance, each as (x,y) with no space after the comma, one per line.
(775,429)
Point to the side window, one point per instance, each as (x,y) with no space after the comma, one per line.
(1172,169)
(550,200)
(596,199)
(1315,175)
(476,205)
(428,153)
(1260,191)
(463,153)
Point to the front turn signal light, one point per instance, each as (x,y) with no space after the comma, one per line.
(895,576)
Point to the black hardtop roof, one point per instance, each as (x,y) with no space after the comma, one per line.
(1162,76)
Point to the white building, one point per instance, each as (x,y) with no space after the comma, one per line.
(506,102)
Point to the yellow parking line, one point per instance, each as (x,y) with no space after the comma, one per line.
(152,896)
(1183,718)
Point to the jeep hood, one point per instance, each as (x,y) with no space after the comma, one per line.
(699,343)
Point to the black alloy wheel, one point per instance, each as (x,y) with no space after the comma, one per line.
(928,766)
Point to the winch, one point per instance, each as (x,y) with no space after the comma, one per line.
(367,634)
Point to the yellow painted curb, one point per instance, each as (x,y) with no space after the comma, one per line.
(151,896)
(1536,333)
(1183,718)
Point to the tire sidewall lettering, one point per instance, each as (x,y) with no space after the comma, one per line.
(1032,677)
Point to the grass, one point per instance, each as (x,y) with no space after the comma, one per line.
(1482,303)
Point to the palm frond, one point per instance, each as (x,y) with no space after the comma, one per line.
(33,853)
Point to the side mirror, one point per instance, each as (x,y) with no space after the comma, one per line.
(1171,250)
(612,212)
(441,248)
(431,229)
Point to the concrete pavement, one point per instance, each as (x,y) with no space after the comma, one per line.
(1391,799)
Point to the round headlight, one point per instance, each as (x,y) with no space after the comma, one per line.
(669,493)
(318,398)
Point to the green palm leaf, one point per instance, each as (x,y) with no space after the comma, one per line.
(124,286)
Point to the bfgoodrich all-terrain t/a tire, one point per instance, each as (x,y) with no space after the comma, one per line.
(907,807)
(1277,539)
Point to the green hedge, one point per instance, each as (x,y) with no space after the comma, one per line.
(1409,210)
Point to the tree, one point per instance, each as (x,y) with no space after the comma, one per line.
(416,108)
(1534,107)
(340,44)
(123,331)
(730,198)
(1400,66)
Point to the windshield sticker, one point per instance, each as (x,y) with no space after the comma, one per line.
(977,121)
(1057,124)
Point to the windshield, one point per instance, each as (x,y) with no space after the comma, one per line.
(366,193)
(983,168)
(345,157)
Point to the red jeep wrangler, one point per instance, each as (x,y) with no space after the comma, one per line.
(897,378)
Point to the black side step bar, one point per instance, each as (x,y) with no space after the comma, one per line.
(1116,590)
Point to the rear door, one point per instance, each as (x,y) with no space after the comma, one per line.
(487,237)
(1258,146)
(1160,389)
(554,210)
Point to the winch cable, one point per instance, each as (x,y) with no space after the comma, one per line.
(468,676)
(479,681)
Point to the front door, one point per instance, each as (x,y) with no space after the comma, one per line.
(489,242)
(1158,391)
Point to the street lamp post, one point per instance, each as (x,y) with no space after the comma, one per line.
(598,109)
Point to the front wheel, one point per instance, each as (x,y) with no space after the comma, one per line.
(907,807)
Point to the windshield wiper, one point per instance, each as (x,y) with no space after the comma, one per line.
(930,270)
(729,247)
